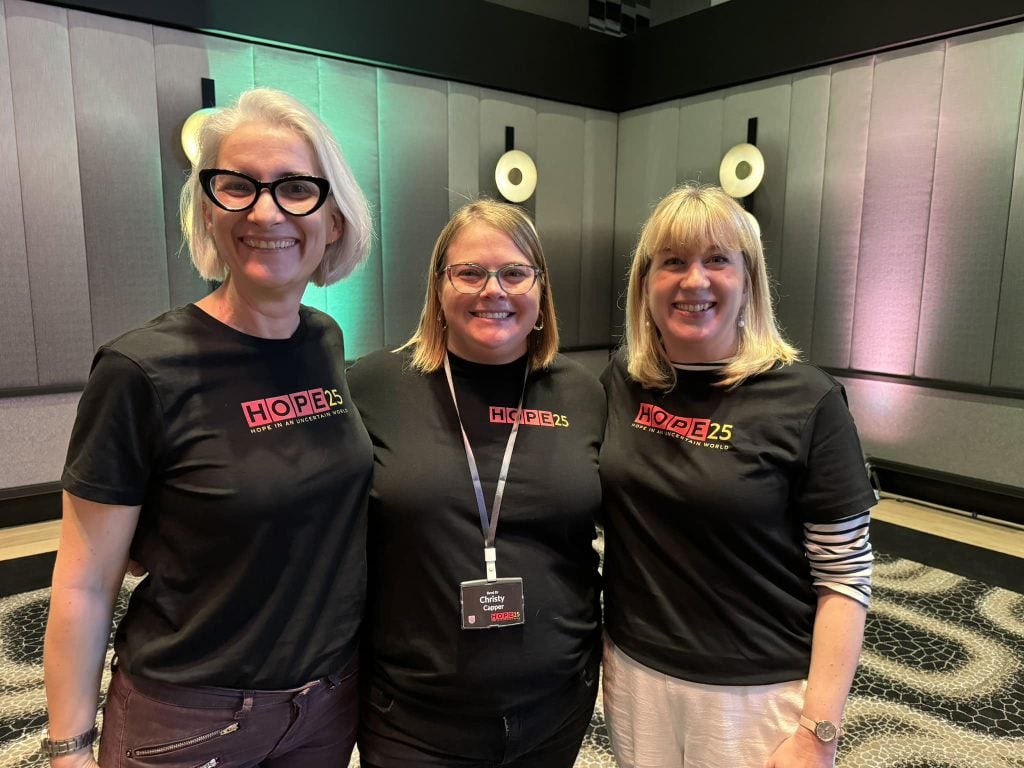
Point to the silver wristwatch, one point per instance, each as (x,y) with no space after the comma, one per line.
(67,746)
(825,730)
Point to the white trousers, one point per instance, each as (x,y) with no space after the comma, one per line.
(658,721)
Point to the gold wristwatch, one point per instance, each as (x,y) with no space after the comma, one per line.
(825,730)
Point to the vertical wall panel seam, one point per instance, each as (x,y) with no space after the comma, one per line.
(21,187)
(785,188)
(809,353)
(860,223)
(579,242)
(931,205)
(380,197)
(160,190)
(81,192)
(1006,238)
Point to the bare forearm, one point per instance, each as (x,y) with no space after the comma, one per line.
(835,651)
(73,653)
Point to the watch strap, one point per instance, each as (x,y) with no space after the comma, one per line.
(814,726)
(60,747)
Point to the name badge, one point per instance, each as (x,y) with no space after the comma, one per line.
(491,604)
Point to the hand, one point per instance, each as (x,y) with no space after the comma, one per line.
(803,750)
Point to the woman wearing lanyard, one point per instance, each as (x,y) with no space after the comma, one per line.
(483,608)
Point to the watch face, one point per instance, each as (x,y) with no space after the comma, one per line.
(825,730)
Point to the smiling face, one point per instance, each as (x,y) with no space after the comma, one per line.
(695,294)
(269,253)
(491,326)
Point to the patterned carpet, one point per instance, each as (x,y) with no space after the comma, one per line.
(941,681)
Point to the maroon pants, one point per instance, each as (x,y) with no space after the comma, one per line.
(149,723)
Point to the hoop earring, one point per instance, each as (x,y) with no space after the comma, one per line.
(441,321)
(540,322)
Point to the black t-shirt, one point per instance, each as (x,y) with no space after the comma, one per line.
(426,536)
(706,492)
(252,468)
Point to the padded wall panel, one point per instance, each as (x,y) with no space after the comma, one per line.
(598,227)
(559,205)
(122,189)
(769,103)
(463,145)
(805,172)
(19,344)
(977,141)
(497,111)
(842,200)
(897,198)
(1008,352)
(182,60)
(699,154)
(35,432)
(348,104)
(298,75)
(413,135)
(965,434)
(645,172)
(44,118)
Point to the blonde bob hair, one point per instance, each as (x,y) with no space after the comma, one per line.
(699,216)
(277,109)
(430,340)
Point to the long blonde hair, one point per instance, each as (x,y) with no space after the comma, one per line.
(700,215)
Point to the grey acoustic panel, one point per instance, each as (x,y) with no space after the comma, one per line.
(842,199)
(463,145)
(296,74)
(348,104)
(559,200)
(699,153)
(1008,352)
(769,103)
(19,356)
(645,172)
(499,110)
(969,205)
(964,434)
(597,236)
(44,118)
(182,60)
(118,138)
(413,135)
(34,432)
(805,173)
(897,198)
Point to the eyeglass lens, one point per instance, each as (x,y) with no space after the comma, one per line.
(471,278)
(293,195)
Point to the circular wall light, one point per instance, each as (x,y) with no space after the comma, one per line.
(190,132)
(516,176)
(742,170)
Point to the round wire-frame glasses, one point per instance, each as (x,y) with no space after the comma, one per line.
(513,279)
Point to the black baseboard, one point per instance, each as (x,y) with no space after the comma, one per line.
(993,568)
(26,574)
(969,494)
(29,504)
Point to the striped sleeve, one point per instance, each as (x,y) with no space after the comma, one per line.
(840,556)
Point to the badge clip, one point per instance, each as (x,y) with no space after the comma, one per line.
(491,563)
